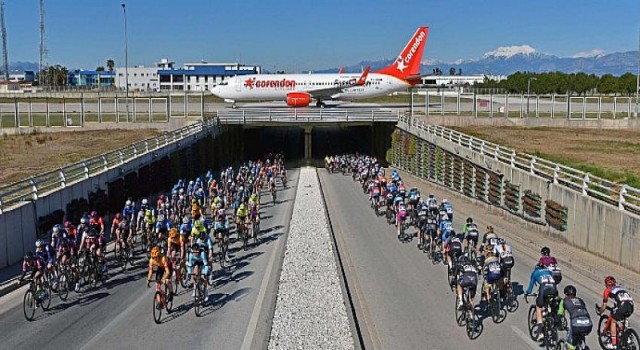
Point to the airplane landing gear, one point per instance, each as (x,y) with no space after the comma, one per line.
(320,104)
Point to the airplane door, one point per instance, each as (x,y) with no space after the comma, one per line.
(238,82)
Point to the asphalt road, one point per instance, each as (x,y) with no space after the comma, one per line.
(119,315)
(403,301)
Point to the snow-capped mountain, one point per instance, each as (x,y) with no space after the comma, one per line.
(510,59)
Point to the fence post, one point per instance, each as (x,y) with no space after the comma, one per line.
(86,170)
(585,185)
(1,206)
(556,172)
(34,188)
(121,156)
(513,159)
(146,145)
(15,111)
(63,179)
(482,148)
(106,163)
(135,151)
(532,166)
(621,200)
(244,119)
(495,154)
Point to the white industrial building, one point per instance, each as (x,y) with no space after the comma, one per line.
(457,80)
(140,78)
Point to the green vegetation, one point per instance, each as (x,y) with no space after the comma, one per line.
(562,83)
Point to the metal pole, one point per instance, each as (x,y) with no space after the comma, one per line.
(635,114)
(126,58)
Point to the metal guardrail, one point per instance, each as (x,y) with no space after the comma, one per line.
(621,195)
(305,115)
(38,185)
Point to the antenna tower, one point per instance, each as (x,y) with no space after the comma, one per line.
(42,66)
(5,59)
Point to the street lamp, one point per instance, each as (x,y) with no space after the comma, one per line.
(126,59)
(529,92)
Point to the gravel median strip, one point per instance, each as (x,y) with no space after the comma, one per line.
(310,308)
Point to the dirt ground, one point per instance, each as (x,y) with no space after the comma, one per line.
(608,153)
(25,155)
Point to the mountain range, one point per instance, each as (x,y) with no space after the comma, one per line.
(510,59)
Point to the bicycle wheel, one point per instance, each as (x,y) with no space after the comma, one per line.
(512,301)
(157,307)
(197,300)
(63,287)
(256,232)
(245,238)
(169,303)
(29,304)
(460,314)
(630,340)
(46,301)
(472,325)
(184,281)
(531,322)
(494,308)
(550,333)
(603,334)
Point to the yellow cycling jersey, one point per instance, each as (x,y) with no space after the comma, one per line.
(242,211)
(149,219)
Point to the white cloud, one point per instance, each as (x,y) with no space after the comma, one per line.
(429,62)
(591,53)
(508,51)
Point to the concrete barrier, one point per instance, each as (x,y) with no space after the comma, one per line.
(592,224)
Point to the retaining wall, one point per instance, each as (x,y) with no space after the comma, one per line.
(589,223)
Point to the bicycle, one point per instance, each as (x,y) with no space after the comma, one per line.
(579,343)
(161,301)
(465,316)
(198,297)
(627,337)
(34,299)
(495,306)
(243,234)
(255,225)
(274,194)
(510,299)
(390,215)
(549,323)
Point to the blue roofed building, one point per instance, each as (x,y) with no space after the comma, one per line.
(201,76)
(91,79)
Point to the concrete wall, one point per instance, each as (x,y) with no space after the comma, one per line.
(462,121)
(593,225)
(19,226)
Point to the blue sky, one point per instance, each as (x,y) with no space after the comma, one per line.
(298,35)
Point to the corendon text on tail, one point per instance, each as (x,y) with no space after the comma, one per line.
(300,90)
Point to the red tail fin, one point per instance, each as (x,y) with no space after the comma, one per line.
(408,62)
(341,70)
(363,78)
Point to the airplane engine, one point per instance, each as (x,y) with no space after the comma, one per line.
(298,99)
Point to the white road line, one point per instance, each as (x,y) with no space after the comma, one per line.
(91,344)
(525,337)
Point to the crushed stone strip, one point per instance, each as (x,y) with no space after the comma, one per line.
(310,308)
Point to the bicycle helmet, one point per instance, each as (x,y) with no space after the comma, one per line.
(501,241)
(155,252)
(185,220)
(127,203)
(28,256)
(83,220)
(67,223)
(144,201)
(39,243)
(609,281)
(570,290)
(56,228)
(160,218)
(431,195)
(162,197)
(545,251)
(490,229)
(445,201)
(469,220)
(94,214)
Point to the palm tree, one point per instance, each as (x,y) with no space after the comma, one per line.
(110,65)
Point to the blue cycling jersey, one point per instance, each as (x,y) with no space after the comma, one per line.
(198,258)
(539,276)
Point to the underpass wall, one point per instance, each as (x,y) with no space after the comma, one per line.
(152,172)
(583,221)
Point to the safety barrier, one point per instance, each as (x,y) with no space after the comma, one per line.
(305,115)
(20,192)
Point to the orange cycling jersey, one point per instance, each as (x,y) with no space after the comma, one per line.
(161,262)
(175,240)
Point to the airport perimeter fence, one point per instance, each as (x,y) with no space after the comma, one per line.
(26,190)
(306,115)
(622,196)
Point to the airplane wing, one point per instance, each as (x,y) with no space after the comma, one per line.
(339,86)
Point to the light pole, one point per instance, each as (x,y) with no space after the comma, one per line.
(126,59)
(529,92)
(635,114)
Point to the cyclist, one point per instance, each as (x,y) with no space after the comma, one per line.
(129,210)
(547,289)
(164,270)
(197,231)
(622,306)
(432,203)
(491,271)
(504,253)
(466,278)
(452,244)
(242,215)
(401,215)
(444,229)
(448,208)
(97,222)
(422,220)
(196,212)
(91,240)
(579,319)
(374,194)
(115,228)
(489,238)
(198,258)
(174,243)
(471,234)
(551,263)
(33,263)
(414,197)
(124,229)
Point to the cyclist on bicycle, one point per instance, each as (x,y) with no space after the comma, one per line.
(491,271)
(198,231)
(174,243)
(33,263)
(374,194)
(242,215)
(448,208)
(97,222)
(432,202)
(129,210)
(91,240)
(422,218)
(414,197)
(551,263)
(503,251)
(547,289)
(164,270)
(198,258)
(452,245)
(579,320)
(466,278)
(622,306)
(489,238)
(401,215)
(471,234)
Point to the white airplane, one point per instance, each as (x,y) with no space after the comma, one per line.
(299,89)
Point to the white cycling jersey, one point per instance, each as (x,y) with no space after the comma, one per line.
(502,250)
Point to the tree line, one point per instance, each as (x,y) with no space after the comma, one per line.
(564,83)
(56,75)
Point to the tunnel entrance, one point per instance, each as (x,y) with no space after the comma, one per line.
(373,139)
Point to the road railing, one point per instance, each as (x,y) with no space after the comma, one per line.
(30,189)
(623,196)
(305,115)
